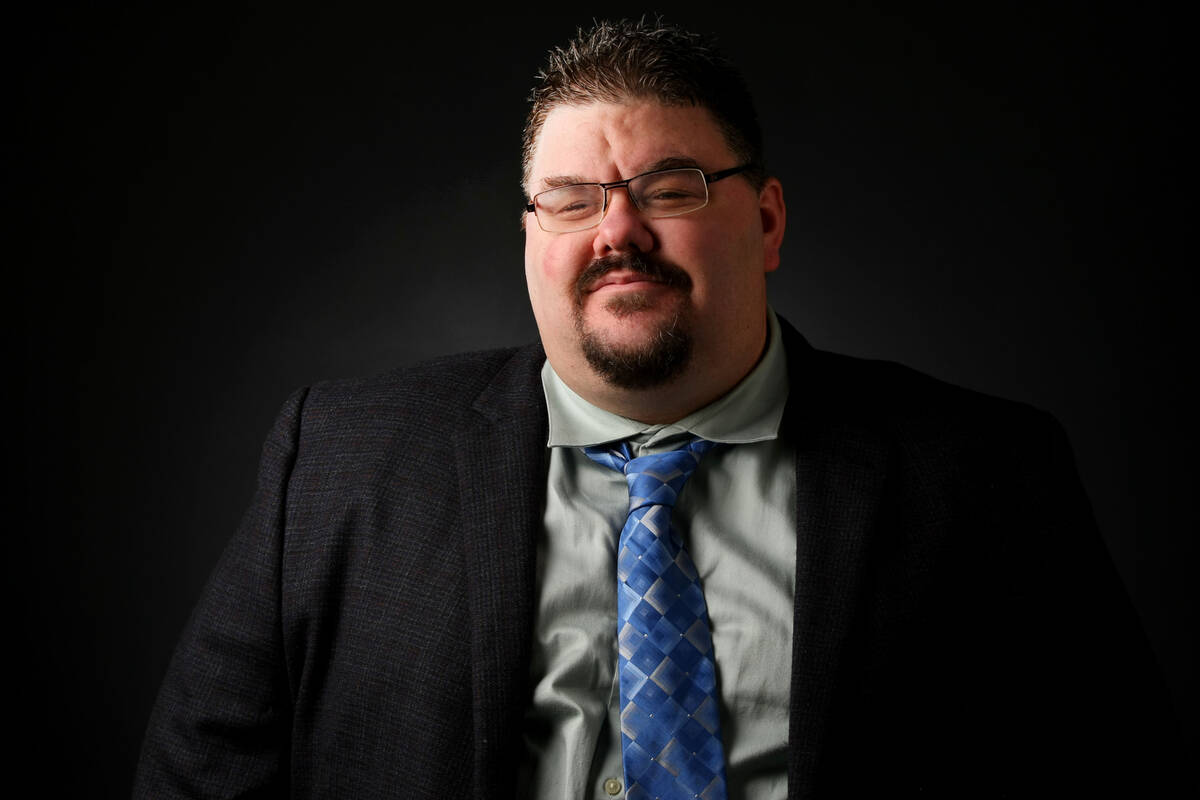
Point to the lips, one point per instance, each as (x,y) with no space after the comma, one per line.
(621,278)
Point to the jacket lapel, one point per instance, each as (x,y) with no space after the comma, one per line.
(840,469)
(502,459)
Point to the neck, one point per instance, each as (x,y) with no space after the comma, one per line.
(661,405)
(704,381)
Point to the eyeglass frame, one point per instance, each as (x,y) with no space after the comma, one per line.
(709,178)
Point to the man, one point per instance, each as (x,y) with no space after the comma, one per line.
(893,584)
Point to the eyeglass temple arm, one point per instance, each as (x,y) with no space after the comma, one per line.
(725,173)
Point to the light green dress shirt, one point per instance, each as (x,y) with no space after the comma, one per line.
(736,515)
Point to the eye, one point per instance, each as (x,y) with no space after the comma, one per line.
(576,209)
(569,202)
(668,198)
(671,191)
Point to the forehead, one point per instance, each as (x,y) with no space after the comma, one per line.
(609,141)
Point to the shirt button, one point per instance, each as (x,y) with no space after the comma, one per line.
(612,786)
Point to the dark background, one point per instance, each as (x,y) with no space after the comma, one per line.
(218,206)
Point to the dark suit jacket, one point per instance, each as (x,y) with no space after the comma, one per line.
(959,629)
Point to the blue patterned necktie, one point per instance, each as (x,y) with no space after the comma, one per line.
(670,732)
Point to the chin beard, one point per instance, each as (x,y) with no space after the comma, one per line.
(652,363)
(664,354)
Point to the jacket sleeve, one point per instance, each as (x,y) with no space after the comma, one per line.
(1104,718)
(221,722)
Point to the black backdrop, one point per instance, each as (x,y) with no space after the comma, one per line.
(218,206)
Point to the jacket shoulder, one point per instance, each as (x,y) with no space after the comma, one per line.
(885,393)
(435,393)
(901,399)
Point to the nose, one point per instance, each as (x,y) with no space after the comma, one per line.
(623,228)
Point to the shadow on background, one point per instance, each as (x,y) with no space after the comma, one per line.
(225,206)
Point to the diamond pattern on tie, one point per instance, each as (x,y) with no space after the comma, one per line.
(670,727)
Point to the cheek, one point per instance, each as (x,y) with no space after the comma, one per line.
(725,268)
(713,259)
(553,260)
(549,273)
(535,263)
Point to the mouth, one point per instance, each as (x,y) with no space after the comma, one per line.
(623,279)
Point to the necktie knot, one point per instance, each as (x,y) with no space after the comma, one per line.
(654,479)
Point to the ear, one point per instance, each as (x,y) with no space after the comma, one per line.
(774,220)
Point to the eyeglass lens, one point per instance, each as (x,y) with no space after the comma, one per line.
(658,194)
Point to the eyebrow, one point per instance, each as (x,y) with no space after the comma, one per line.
(555,181)
(673,162)
(670,162)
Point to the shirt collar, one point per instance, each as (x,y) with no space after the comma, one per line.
(750,412)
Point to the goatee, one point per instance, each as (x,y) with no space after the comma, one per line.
(666,351)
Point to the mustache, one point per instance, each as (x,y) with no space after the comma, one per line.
(653,269)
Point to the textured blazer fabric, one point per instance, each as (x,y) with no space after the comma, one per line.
(959,629)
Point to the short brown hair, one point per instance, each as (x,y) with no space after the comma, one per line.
(619,61)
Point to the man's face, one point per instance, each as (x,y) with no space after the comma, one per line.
(636,304)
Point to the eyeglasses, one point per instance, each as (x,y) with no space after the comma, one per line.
(662,193)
